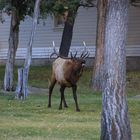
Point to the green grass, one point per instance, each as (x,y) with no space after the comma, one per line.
(32,120)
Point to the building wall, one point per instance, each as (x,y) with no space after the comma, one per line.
(84,30)
(133,35)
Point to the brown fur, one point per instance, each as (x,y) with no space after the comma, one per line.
(66,72)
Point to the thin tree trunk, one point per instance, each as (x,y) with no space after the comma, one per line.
(19,89)
(13,44)
(115,123)
(96,81)
(67,33)
(23,89)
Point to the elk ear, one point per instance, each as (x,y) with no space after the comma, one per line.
(83,64)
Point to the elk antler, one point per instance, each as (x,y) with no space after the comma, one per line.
(55,52)
(74,55)
(85,53)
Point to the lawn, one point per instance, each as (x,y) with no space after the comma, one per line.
(32,120)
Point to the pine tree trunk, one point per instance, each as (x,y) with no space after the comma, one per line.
(96,81)
(22,87)
(114,121)
(13,44)
(67,33)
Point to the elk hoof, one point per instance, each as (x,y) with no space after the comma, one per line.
(78,110)
(66,106)
(49,106)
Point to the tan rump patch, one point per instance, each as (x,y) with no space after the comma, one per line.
(58,68)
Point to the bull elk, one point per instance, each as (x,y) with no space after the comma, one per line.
(66,72)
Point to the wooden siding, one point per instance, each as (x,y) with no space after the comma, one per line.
(133,35)
(84,30)
(45,52)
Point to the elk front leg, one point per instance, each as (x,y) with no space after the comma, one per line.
(74,88)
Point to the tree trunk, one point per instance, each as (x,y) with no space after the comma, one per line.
(67,33)
(22,88)
(19,89)
(13,44)
(96,81)
(114,121)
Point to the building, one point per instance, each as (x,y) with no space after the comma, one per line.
(84,30)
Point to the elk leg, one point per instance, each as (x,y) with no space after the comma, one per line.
(64,101)
(63,96)
(74,88)
(50,91)
(65,104)
(62,88)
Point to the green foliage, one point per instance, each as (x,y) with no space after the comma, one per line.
(26,7)
(22,7)
(2,4)
(57,7)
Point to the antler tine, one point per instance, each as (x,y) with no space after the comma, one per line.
(75,54)
(55,52)
(85,55)
(82,54)
(71,55)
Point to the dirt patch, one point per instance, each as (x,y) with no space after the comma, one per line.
(31,90)
(136,97)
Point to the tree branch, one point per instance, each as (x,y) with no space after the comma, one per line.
(135,3)
(87,4)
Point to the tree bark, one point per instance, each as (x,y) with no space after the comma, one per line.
(13,44)
(96,81)
(67,33)
(25,70)
(19,89)
(115,123)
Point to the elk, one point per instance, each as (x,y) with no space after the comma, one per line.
(66,72)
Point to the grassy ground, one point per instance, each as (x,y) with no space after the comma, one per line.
(32,120)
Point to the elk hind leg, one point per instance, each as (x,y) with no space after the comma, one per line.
(51,86)
(62,88)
